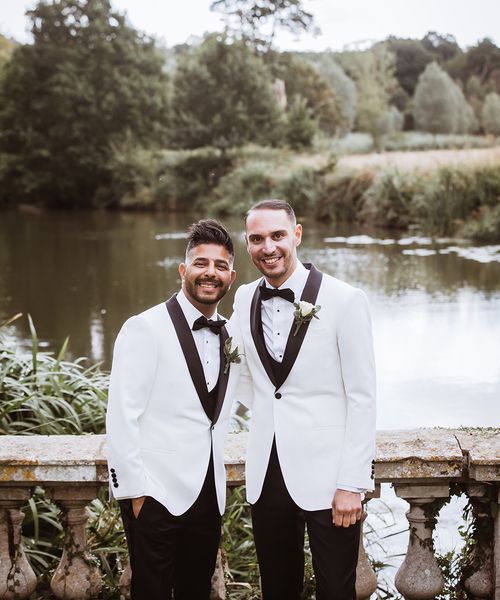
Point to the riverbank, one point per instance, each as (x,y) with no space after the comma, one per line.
(433,192)
(439,192)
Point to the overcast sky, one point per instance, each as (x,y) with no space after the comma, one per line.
(341,22)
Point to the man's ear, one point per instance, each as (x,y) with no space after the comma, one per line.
(182,270)
(246,243)
(233,277)
(298,234)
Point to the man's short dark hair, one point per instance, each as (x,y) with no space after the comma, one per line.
(209,231)
(273,204)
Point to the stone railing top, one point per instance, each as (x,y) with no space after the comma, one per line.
(402,455)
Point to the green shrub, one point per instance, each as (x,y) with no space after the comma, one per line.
(342,196)
(388,201)
(486,228)
(238,190)
(44,394)
(301,189)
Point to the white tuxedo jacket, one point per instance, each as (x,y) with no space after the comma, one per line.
(159,436)
(321,406)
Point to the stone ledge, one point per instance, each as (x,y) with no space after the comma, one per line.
(402,456)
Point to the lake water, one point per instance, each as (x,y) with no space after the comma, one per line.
(435,303)
(435,307)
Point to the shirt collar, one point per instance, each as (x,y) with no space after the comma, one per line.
(296,282)
(191,312)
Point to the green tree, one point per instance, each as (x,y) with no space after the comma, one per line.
(301,126)
(439,105)
(443,47)
(303,79)
(373,72)
(343,86)
(257,21)
(87,80)
(411,59)
(490,115)
(223,97)
(483,60)
(6,49)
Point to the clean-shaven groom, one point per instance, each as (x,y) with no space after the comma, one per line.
(166,423)
(312,431)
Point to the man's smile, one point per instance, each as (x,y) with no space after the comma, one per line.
(209,285)
(271,260)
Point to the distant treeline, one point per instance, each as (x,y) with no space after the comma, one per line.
(85,106)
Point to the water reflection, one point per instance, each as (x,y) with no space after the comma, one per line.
(436,314)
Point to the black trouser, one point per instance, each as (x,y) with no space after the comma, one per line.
(278,528)
(173,553)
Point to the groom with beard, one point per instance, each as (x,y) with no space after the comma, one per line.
(166,423)
(308,346)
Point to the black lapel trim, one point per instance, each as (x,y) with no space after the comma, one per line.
(223,377)
(258,335)
(190,351)
(294,342)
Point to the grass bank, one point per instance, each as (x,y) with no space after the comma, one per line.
(436,193)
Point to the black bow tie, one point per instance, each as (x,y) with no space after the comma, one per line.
(214,326)
(267,293)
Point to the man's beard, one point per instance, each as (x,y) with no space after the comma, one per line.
(193,291)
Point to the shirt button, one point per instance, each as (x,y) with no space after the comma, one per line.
(277,395)
(115,485)
(277,333)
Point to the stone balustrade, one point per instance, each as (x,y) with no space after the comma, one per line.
(422,465)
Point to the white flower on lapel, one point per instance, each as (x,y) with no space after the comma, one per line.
(305,308)
(231,353)
(304,312)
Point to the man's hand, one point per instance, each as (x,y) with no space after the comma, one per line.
(346,508)
(137,505)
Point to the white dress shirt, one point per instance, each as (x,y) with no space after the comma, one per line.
(207,342)
(277,320)
(277,313)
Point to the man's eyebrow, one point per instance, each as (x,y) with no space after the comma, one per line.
(264,235)
(205,259)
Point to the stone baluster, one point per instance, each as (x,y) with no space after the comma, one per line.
(77,576)
(496,538)
(218,591)
(124,582)
(419,577)
(17,578)
(480,583)
(366,580)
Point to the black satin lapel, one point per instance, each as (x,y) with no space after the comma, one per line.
(294,342)
(190,352)
(223,377)
(258,335)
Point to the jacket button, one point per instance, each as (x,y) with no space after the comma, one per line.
(115,485)
(112,470)
(277,395)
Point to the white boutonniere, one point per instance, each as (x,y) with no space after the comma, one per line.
(304,312)
(231,353)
